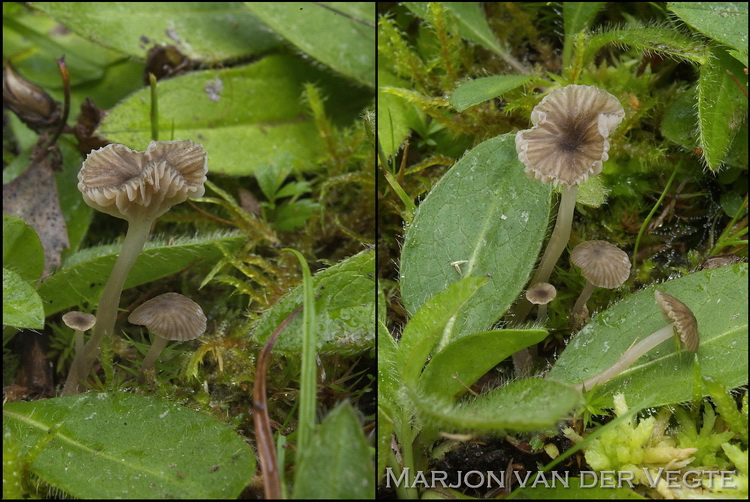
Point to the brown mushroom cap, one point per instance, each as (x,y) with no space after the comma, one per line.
(568,142)
(602,264)
(541,293)
(135,185)
(684,321)
(79,321)
(171,316)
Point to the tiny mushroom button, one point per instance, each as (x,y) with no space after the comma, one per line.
(170,316)
(541,294)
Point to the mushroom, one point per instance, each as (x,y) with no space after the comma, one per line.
(682,323)
(603,265)
(138,187)
(541,294)
(170,316)
(567,144)
(80,322)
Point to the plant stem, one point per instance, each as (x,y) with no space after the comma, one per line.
(651,215)
(629,357)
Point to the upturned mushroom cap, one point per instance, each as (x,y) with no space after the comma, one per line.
(79,321)
(171,316)
(602,264)
(135,185)
(541,293)
(568,142)
(684,321)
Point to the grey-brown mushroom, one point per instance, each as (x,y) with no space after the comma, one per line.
(566,145)
(682,324)
(79,322)
(138,187)
(604,265)
(541,294)
(170,316)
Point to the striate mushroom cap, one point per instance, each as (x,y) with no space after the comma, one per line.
(684,321)
(568,142)
(541,293)
(79,321)
(138,186)
(602,264)
(171,316)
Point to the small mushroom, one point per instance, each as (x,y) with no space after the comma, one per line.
(567,144)
(170,316)
(138,187)
(603,265)
(682,323)
(79,322)
(541,294)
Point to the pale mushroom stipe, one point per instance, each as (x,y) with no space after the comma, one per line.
(682,324)
(170,316)
(138,187)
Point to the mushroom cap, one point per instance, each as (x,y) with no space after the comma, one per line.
(541,293)
(137,186)
(568,142)
(684,321)
(171,316)
(602,264)
(79,321)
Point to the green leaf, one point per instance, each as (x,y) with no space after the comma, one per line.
(76,212)
(118,445)
(340,35)
(722,108)
(680,121)
(592,192)
(345,309)
(389,376)
(476,91)
(577,16)
(523,405)
(719,300)
(385,436)
(725,22)
(470,21)
(431,324)
(484,211)
(393,114)
(340,464)
(22,251)
(244,117)
(22,306)
(83,274)
(459,365)
(204,31)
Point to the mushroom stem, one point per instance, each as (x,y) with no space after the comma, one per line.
(555,247)
(109,302)
(541,314)
(583,298)
(629,357)
(148,363)
(76,369)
